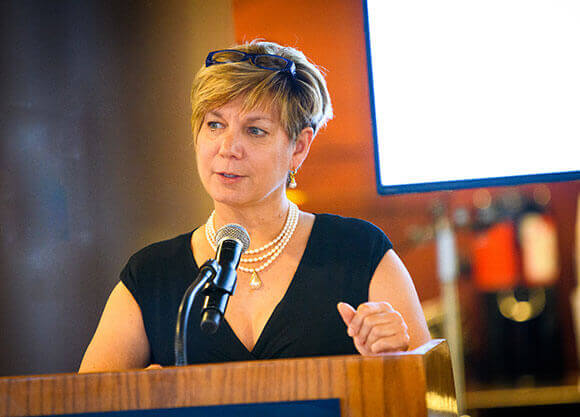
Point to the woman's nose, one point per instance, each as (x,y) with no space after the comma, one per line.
(231,145)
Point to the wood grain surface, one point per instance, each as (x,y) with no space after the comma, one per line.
(416,383)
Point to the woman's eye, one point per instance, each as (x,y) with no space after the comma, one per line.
(214,125)
(256,131)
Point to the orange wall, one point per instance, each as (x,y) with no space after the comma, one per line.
(331,34)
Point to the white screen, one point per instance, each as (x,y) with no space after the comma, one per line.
(467,89)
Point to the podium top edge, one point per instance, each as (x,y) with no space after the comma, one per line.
(420,351)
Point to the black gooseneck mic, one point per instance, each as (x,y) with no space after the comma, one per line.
(217,281)
(232,240)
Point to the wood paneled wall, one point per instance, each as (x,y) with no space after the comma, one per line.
(96,158)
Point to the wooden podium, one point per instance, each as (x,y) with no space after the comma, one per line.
(415,383)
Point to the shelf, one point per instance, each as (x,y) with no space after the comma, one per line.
(567,393)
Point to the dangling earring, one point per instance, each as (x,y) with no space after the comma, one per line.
(292,177)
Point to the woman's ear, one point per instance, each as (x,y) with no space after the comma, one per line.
(302,147)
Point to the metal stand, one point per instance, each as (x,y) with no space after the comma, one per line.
(208,271)
(447,268)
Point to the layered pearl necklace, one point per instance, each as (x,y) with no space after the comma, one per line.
(272,249)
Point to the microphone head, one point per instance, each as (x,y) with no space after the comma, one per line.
(233,231)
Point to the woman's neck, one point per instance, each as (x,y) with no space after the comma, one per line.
(262,222)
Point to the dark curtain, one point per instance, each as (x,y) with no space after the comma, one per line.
(96,161)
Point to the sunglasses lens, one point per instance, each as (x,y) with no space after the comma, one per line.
(227,56)
(272,62)
(265,61)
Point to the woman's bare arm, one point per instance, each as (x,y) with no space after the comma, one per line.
(392,282)
(120,341)
(392,320)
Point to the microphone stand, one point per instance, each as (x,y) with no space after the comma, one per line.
(208,271)
(219,290)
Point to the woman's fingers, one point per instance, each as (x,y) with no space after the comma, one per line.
(153,366)
(388,338)
(372,323)
(394,343)
(365,310)
(377,328)
(381,325)
(346,312)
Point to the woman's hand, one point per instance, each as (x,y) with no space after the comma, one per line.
(153,366)
(375,327)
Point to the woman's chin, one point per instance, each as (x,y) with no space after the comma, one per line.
(230,199)
(243,198)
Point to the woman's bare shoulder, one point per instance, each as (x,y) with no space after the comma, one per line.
(120,341)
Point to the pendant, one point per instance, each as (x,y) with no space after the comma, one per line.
(255,282)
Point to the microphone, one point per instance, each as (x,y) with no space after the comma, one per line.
(232,240)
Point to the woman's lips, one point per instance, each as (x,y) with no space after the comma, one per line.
(229,177)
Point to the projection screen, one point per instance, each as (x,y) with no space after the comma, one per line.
(471,93)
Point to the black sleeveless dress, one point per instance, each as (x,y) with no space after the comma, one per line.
(340,258)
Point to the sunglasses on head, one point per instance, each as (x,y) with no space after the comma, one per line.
(266,61)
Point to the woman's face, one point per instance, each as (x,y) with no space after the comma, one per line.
(244,158)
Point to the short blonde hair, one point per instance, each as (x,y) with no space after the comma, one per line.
(302,100)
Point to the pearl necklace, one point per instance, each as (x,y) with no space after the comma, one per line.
(277,245)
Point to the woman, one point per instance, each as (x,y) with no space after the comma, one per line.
(309,284)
